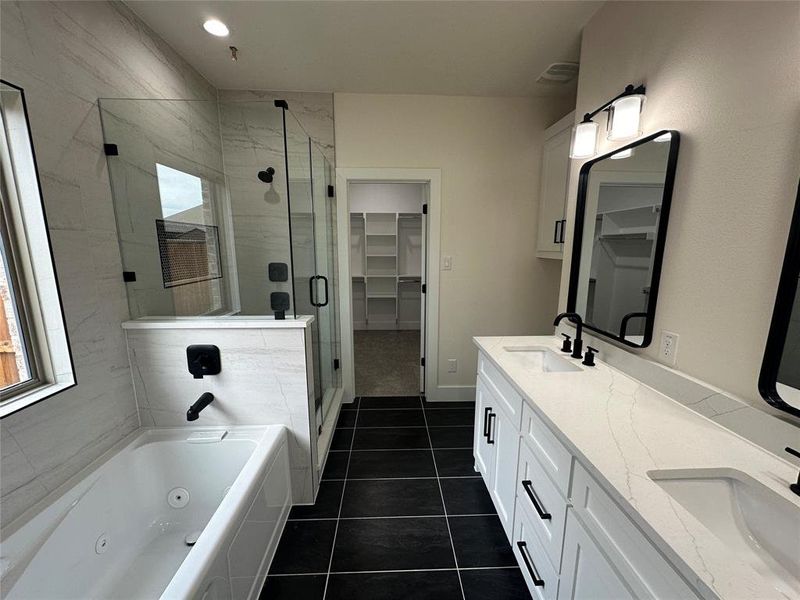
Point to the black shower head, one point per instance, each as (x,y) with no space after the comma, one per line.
(266,176)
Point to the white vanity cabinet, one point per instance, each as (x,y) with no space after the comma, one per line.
(571,539)
(588,574)
(496,439)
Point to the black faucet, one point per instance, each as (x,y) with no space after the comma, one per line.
(577,343)
(795,487)
(194,410)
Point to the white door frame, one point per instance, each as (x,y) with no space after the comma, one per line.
(433,177)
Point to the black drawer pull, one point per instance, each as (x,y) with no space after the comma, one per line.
(534,500)
(486,412)
(523,550)
(489,437)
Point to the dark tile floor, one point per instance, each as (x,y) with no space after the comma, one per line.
(400,514)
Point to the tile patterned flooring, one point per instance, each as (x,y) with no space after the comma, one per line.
(400,514)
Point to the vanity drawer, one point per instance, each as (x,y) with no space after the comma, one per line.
(546,505)
(546,447)
(539,574)
(644,569)
(508,398)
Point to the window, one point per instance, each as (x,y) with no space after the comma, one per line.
(35,360)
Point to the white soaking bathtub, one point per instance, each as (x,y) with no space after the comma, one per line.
(123,529)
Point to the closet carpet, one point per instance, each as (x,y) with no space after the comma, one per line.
(387,363)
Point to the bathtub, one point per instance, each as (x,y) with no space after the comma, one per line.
(125,529)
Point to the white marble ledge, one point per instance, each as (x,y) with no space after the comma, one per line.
(227,322)
(620,429)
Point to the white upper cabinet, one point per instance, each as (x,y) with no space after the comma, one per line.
(553,191)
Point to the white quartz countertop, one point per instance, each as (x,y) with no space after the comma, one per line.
(620,429)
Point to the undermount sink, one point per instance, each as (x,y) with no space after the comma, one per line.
(539,358)
(759,525)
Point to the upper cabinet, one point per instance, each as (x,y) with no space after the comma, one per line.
(553,193)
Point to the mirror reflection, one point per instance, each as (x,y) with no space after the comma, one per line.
(779,382)
(788,385)
(624,204)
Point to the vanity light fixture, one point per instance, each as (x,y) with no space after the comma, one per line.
(584,139)
(623,122)
(622,154)
(624,116)
(216,27)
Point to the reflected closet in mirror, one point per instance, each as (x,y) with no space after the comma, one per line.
(621,220)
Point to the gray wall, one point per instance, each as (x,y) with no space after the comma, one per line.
(66,55)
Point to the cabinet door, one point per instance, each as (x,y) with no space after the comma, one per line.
(505,437)
(553,189)
(481,448)
(585,571)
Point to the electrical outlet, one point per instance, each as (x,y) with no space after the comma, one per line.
(447,263)
(452,365)
(668,350)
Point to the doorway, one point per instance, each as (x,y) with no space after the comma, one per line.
(387,266)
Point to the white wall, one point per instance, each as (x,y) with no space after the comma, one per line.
(488,150)
(387,197)
(727,76)
(66,55)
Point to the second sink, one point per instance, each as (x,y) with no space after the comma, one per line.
(759,525)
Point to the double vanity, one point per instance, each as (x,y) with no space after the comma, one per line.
(607,488)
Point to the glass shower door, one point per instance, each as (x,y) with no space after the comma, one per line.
(325,253)
(313,256)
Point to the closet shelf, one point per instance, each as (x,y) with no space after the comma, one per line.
(374,296)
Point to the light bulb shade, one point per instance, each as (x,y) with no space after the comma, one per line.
(584,140)
(622,154)
(623,120)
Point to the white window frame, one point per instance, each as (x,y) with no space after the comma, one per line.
(32,270)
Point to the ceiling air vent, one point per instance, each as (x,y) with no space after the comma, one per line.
(560,72)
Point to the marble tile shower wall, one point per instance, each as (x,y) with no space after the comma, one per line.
(252,140)
(66,56)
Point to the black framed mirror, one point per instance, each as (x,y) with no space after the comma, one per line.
(779,381)
(621,221)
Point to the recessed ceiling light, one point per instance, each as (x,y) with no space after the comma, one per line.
(216,27)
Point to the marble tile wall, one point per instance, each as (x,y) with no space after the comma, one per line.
(183,135)
(252,140)
(66,55)
(262,382)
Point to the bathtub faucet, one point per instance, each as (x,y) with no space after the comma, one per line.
(194,410)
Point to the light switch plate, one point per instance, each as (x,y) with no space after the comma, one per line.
(452,365)
(668,349)
(447,263)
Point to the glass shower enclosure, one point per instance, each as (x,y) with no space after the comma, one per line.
(223,208)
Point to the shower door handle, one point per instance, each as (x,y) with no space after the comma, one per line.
(311,290)
(325,280)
